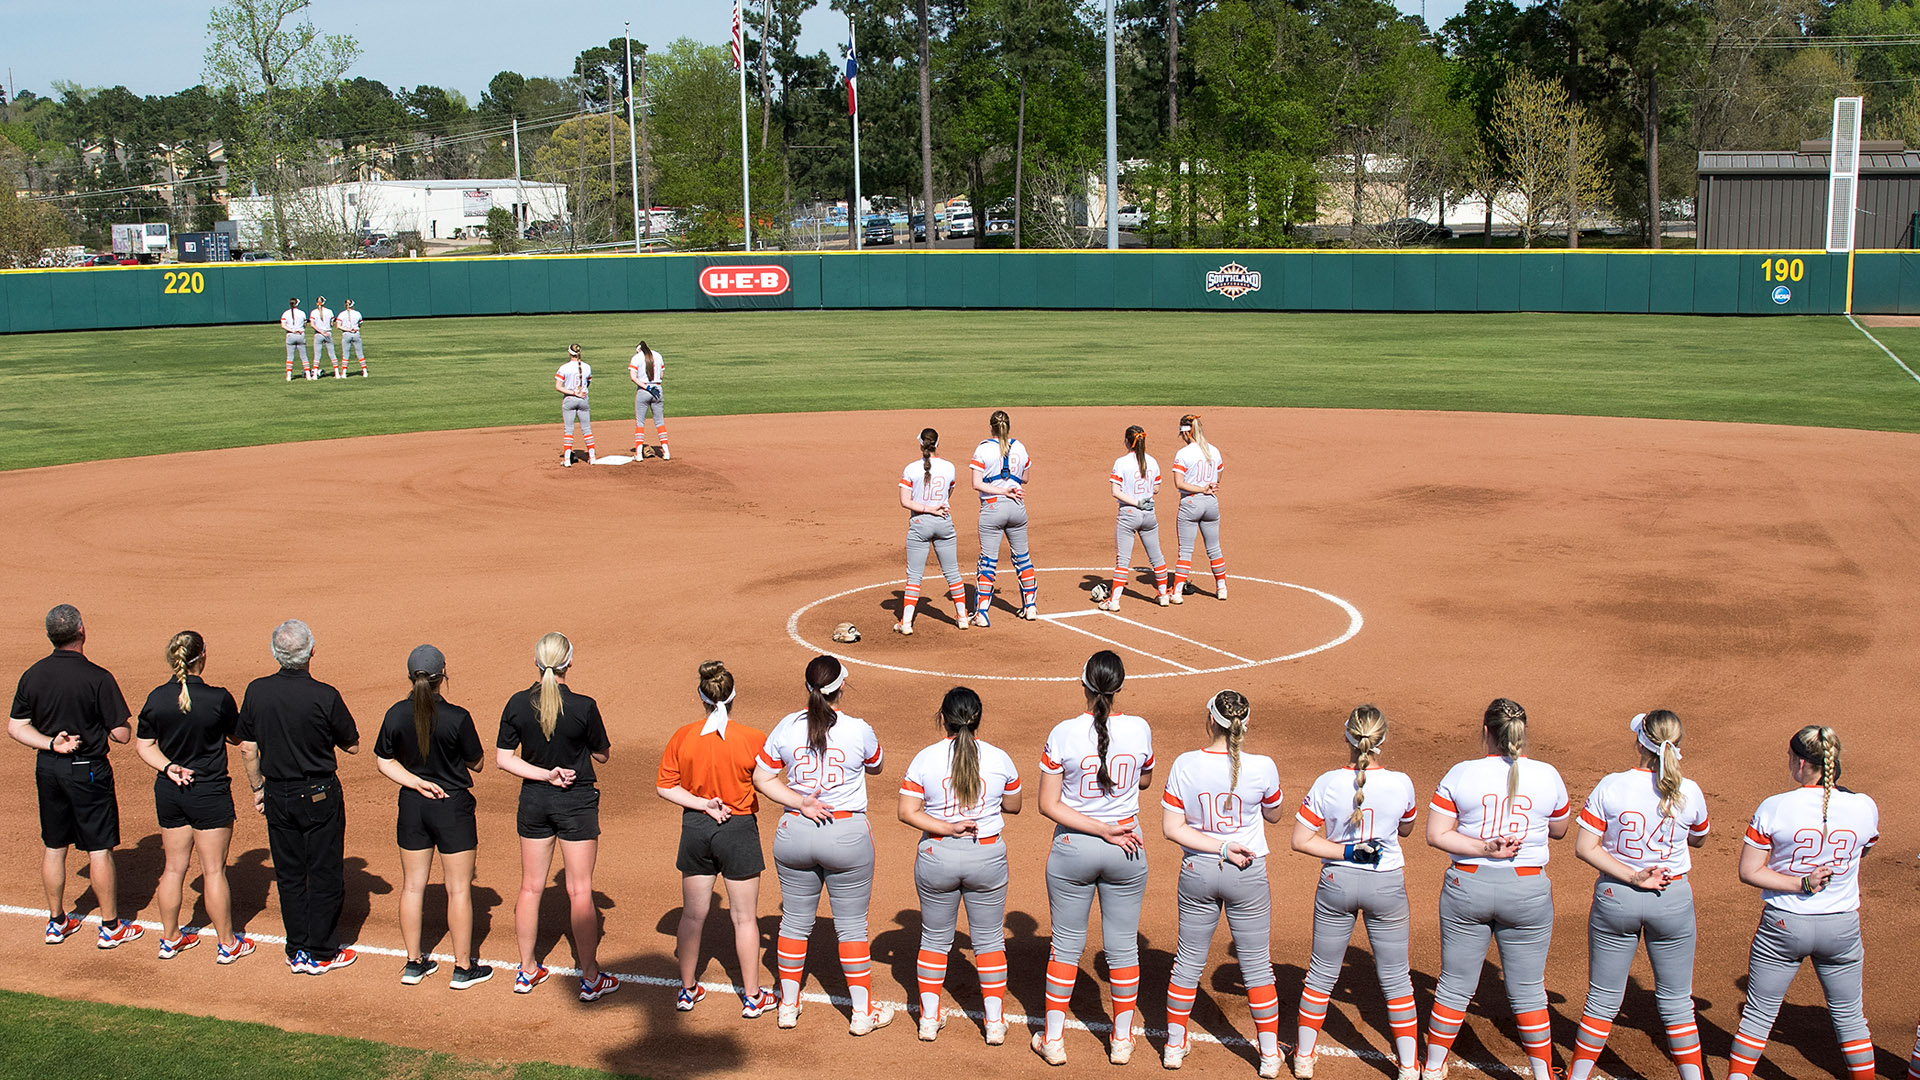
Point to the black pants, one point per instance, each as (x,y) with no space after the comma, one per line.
(307,833)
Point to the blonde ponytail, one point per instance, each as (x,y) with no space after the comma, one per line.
(1232,707)
(1817,745)
(186,651)
(1662,729)
(1191,422)
(553,655)
(1366,731)
(1508,722)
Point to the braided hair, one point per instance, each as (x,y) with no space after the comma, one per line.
(1001,427)
(1103,677)
(1817,745)
(185,651)
(1232,706)
(929,442)
(1508,723)
(1366,730)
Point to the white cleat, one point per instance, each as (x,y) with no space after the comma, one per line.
(930,1026)
(996,1032)
(1434,1074)
(904,627)
(1220,591)
(1408,1072)
(1179,596)
(789,1015)
(1030,613)
(665,454)
(1173,1056)
(1110,605)
(1269,1067)
(1120,1051)
(1053,1053)
(1303,1067)
(962,620)
(1165,599)
(878,1016)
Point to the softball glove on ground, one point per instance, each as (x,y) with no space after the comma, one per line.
(846,633)
(1099,593)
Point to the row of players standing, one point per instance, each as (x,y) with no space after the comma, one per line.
(574,383)
(1495,815)
(321,320)
(1001,467)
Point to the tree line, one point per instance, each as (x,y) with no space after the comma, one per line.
(1242,121)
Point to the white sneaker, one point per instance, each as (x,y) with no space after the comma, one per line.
(289,376)
(1120,1051)
(1179,594)
(789,1015)
(930,1026)
(1269,1067)
(877,1016)
(996,1032)
(1408,1072)
(1165,599)
(962,620)
(1303,1067)
(567,462)
(1053,1053)
(1173,1056)
(665,454)
(1434,1074)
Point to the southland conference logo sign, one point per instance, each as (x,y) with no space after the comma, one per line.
(1233,281)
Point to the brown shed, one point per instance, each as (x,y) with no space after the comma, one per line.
(1777,200)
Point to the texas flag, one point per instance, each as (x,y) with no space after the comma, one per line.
(852,73)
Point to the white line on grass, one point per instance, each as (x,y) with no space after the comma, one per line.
(1014,1021)
(1883,348)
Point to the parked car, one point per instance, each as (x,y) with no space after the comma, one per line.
(107,258)
(259,256)
(1404,231)
(919,228)
(878,231)
(960,221)
(1132,217)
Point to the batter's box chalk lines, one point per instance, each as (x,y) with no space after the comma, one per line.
(1014,1020)
(1058,619)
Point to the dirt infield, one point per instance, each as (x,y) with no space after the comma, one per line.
(1750,578)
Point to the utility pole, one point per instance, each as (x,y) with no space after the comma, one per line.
(613,172)
(580,205)
(633,156)
(521,188)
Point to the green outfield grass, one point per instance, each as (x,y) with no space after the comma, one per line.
(85,395)
(49,1038)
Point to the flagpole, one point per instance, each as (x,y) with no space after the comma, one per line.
(633,154)
(859,222)
(746,193)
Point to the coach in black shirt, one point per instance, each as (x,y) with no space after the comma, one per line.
(290,725)
(69,709)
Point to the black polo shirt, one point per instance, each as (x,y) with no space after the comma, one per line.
(196,739)
(67,692)
(454,742)
(578,733)
(297,721)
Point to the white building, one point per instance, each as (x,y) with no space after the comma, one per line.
(436,209)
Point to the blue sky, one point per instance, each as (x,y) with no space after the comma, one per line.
(155,46)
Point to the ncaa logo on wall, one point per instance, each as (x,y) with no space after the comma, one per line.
(1782,294)
(744,280)
(1233,281)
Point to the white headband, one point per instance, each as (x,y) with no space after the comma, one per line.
(835,684)
(1088,683)
(1224,724)
(1638,726)
(717,719)
(1355,743)
(561,666)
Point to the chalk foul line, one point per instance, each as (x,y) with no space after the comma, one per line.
(1883,348)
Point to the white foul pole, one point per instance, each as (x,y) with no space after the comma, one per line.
(633,149)
(746,187)
(853,216)
(1113,149)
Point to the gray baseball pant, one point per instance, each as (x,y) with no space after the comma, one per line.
(1198,514)
(1004,517)
(931,532)
(1078,868)
(837,856)
(1134,522)
(1514,910)
(296,350)
(574,413)
(350,344)
(1380,898)
(1620,916)
(643,403)
(949,871)
(323,346)
(1209,886)
(1783,940)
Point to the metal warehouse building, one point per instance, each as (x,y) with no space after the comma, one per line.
(436,209)
(1778,199)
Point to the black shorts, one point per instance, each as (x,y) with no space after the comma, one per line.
(731,850)
(568,813)
(77,804)
(203,804)
(446,824)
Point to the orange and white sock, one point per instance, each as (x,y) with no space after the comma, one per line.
(1179,1012)
(1313,1014)
(1859,1055)
(791,956)
(1404,1021)
(1126,992)
(1264,1003)
(911,601)
(1119,581)
(1160,577)
(1443,1026)
(931,972)
(662,431)
(1683,1044)
(856,962)
(993,983)
(1536,1035)
(1060,980)
(566,447)
(1180,569)
(1587,1044)
(1219,566)
(639,438)
(1745,1055)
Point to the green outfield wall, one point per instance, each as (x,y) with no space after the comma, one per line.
(1699,283)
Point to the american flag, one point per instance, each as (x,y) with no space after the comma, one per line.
(852,72)
(738,53)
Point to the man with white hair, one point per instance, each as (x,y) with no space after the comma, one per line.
(290,726)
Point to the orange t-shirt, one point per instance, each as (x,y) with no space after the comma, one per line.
(710,766)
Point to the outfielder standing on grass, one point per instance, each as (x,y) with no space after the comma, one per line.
(645,369)
(430,747)
(573,380)
(1352,819)
(707,771)
(1636,829)
(68,709)
(1092,771)
(321,319)
(1495,815)
(290,725)
(1196,472)
(1213,807)
(349,322)
(294,322)
(1803,853)
(926,486)
(184,730)
(1000,468)
(823,840)
(558,736)
(956,793)
(1135,480)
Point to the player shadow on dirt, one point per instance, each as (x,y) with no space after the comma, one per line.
(250,880)
(664,1044)
(934,606)
(717,960)
(1141,584)
(556,921)
(433,922)
(1807,1029)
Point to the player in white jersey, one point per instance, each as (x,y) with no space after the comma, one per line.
(1638,828)
(1000,468)
(823,840)
(645,370)
(1135,479)
(1496,815)
(1803,853)
(573,381)
(321,319)
(926,488)
(1352,820)
(1215,806)
(294,322)
(349,323)
(956,793)
(1092,770)
(1196,472)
